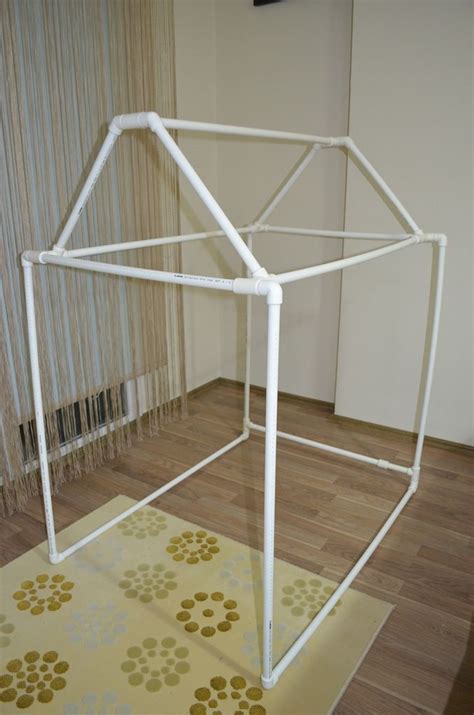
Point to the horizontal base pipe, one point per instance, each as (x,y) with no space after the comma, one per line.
(381,463)
(293,651)
(143,502)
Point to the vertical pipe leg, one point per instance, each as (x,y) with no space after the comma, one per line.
(273,346)
(248,350)
(39,415)
(434,328)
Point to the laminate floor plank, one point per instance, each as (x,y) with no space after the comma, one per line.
(328,509)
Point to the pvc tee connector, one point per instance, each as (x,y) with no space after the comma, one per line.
(260,286)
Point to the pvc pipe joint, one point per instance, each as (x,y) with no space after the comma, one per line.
(30,257)
(415,478)
(260,286)
(138,120)
(440,238)
(56,558)
(268,683)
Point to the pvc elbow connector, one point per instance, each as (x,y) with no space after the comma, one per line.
(137,120)
(441,239)
(259,286)
(30,257)
(272,291)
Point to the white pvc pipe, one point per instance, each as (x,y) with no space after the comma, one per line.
(131,272)
(431,358)
(293,651)
(39,412)
(231,130)
(337,234)
(383,186)
(293,178)
(85,192)
(331,602)
(150,242)
(344,262)
(156,125)
(143,502)
(248,347)
(273,347)
(381,463)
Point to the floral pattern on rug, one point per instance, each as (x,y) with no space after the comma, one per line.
(99,556)
(233,697)
(97,625)
(243,571)
(159,616)
(107,703)
(143,523)
(6,630)
(33,677)
(154,664)
(43,593)
(147,582)
(191,547)
(208,613)
(305,597)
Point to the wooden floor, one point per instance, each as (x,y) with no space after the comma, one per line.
(327,511)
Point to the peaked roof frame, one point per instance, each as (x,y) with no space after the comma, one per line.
(258,282)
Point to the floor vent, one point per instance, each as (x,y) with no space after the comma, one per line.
(73,423)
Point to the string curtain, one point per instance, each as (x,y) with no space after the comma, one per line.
(111,348)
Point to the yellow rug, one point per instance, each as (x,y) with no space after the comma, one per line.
(159,617)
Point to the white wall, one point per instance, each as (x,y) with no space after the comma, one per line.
(240,64)
(196,98)
(411,113)
(285,66)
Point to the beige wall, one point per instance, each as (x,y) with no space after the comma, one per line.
(238,64)
(285,66)
(411,112)
(196,99)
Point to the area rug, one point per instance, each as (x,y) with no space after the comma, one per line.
(161,617)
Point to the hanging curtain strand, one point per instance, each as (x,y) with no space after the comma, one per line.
(111,348)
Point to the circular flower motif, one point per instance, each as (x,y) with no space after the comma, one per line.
(193,546)
(143,523)
(240,698)
(153,664)
(243,571)
(147,582)
(33,677)
(97,625)
(45,592)
(104,703)
(208,613)
(98,557)
(307,597)
(6,629)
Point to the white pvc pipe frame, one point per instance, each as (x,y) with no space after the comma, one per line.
(259,283)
